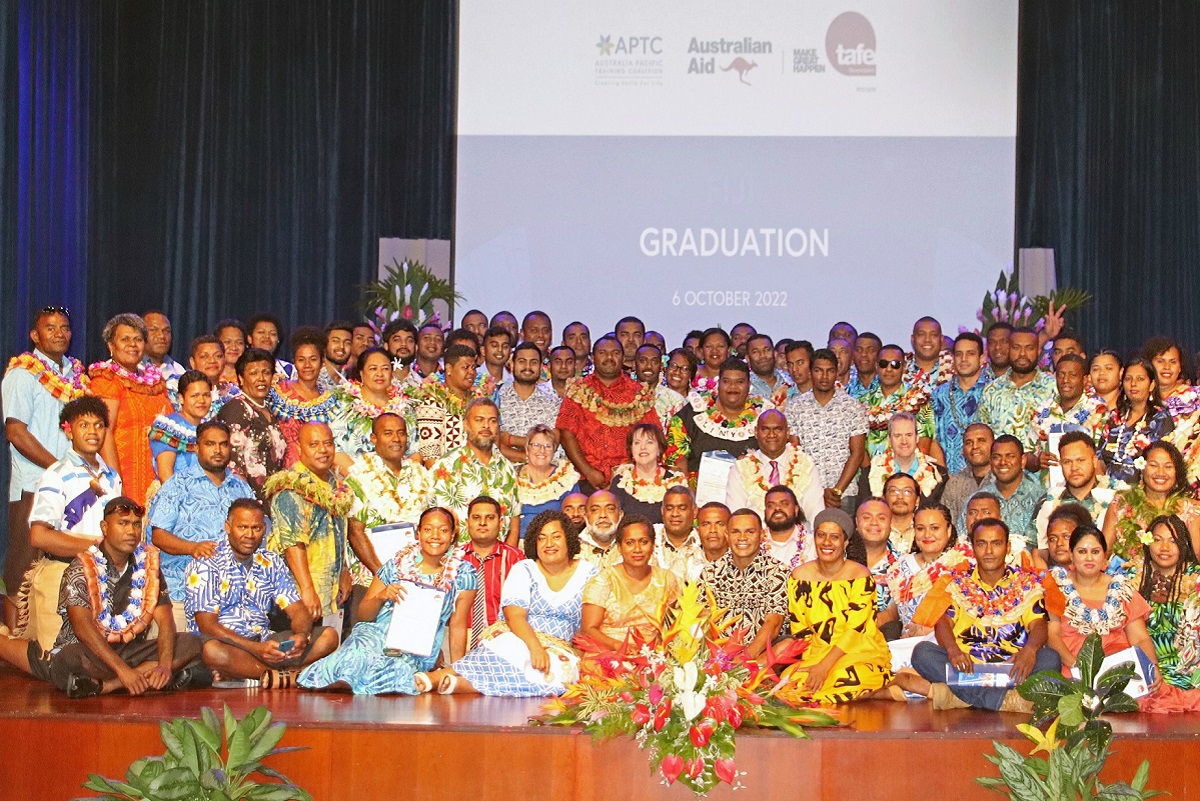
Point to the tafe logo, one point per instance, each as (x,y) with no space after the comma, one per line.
(850,44)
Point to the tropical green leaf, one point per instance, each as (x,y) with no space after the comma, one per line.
(1120,702)
(277,792)
(1142,776)
(174,785)
(259,746)
(171,738)
(1091,655)
(1070,710)
(1021,782)
(206,731)
(231,726)
(102,785)
(1114,680)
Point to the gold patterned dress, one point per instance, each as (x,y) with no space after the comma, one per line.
(626,609)
(837,614)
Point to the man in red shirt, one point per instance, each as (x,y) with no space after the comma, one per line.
(597,413)
(491,559)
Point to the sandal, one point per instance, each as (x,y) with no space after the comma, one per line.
(447,684)
(278,679)
(422,683)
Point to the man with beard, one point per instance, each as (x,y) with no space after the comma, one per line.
(749,583)
(712,525)
(188,512)
(928,364)
(765,380)
(476,322)
(400,340)
(597,541)
(1077,457)
(158,345)
(562,369)
(476,468)
(955,402)
(775,461)
(789,541)
(497,354)
(440,406)
(598,412)
(999,343)
(1010,403)
(1071,410)
(799,365)
(832,429)
(339,337)
(578,338)
(491,560)
(631,333)
(677,547)
(865,372)
(1020,493)
(739,337)
(721,421)
(667,402)
(902,495)
(977,454)
(873,521)
(430,342)
(524,403)
(574,506)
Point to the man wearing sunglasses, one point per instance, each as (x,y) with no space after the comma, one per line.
(894,395)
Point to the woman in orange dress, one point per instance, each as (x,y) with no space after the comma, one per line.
(135,394)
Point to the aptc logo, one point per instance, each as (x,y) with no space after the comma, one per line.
(629,46)
(850,44)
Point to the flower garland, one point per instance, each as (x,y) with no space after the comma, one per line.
(1000,605)
(363,409)
(647,491)
(178,435)
(944,369)
(321,409)
(1138,437)
(712,421)
(705,385)
(884,465)
(911,401)
(611,413)
(1137,515)
(312,489)
(561,479)
(1182,401)
(147,380)
(406,569)
(143,593)
(1087,620)
(388,497)
(795,470)
(435,392)
(50,380)
(906,589)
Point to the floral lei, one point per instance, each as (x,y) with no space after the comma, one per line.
(434,391)
(363,409)
(647,491)
(406,569)
(911,401)
(712,421)
(555,486)
(312,489)
(794,471)
(1130,526)
(321,409)
(178,436)
(1139,436)
(147,380)
(51,380)
(143,595)
(909,588)
(884,465)
(999,606)
(1085,619)
(944,369)
(609,413)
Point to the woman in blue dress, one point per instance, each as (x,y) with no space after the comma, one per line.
(541,482)
(528,651)
(361,664)
(173,437)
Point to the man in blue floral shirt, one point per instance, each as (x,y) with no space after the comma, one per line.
(955,402)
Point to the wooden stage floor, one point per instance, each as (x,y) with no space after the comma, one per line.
(470,747)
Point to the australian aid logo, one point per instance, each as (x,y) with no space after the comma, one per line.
(850,45)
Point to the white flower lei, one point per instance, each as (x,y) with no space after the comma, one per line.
(1085,619)
(117,624)
(556,485)
(646,491)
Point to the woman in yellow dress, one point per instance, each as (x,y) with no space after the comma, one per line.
(832,605)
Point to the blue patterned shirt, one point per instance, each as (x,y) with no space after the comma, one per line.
(26,400)
(953,411)
(1017,511)
(193,508)
(1010,409)
(241,594)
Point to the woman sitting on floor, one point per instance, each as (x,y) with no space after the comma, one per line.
(630,596)
(528,651)
(361,664)
(832,605)
(938,551)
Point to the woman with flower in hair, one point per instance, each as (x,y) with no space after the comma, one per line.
(1138,419)
(364,400)
(542,483)
(1163,490)
(1169,583)
(301,401)
(641,483)
(173,436)
(362,665)
(135,393)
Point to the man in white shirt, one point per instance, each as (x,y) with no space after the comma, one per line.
(776,461)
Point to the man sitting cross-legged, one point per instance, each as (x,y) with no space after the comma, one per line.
(230,594)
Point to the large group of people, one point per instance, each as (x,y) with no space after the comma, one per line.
(482,510)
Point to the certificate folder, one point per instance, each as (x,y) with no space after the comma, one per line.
(415,618)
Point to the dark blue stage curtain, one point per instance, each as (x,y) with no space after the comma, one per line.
(1108,160)
(247,156)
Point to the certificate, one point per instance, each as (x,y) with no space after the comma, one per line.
(390,538)
(713,476)
(415,618)
(1052,438)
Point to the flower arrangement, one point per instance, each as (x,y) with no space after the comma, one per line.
(684,697)
(407,291)
(1006,304)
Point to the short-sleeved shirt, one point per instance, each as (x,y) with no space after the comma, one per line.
(1011,607)
(298,521)
(1017,511)
(954,409)
(1095,502)
(750,594)
(518,416)
(241,594)
(74,592)
(193,508)
(906,398)
(603,446)
(459,477)
(65,500)
(491,571)
(1089,415)
(825,431)
(26,400)
(1009,409)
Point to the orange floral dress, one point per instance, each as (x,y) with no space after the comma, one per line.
(138,405)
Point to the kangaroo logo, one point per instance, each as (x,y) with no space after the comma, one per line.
(742,66)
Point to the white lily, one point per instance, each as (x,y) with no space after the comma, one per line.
(685,676)
(691,702)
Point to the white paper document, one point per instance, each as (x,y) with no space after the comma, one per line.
(713,476)
(415,618)
(390,538)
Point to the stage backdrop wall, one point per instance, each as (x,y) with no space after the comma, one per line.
(786,164)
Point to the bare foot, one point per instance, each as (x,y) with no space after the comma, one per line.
(912,682)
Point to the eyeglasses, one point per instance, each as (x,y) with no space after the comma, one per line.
(884,364)
(541,446)
(896,492)
(54,310)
